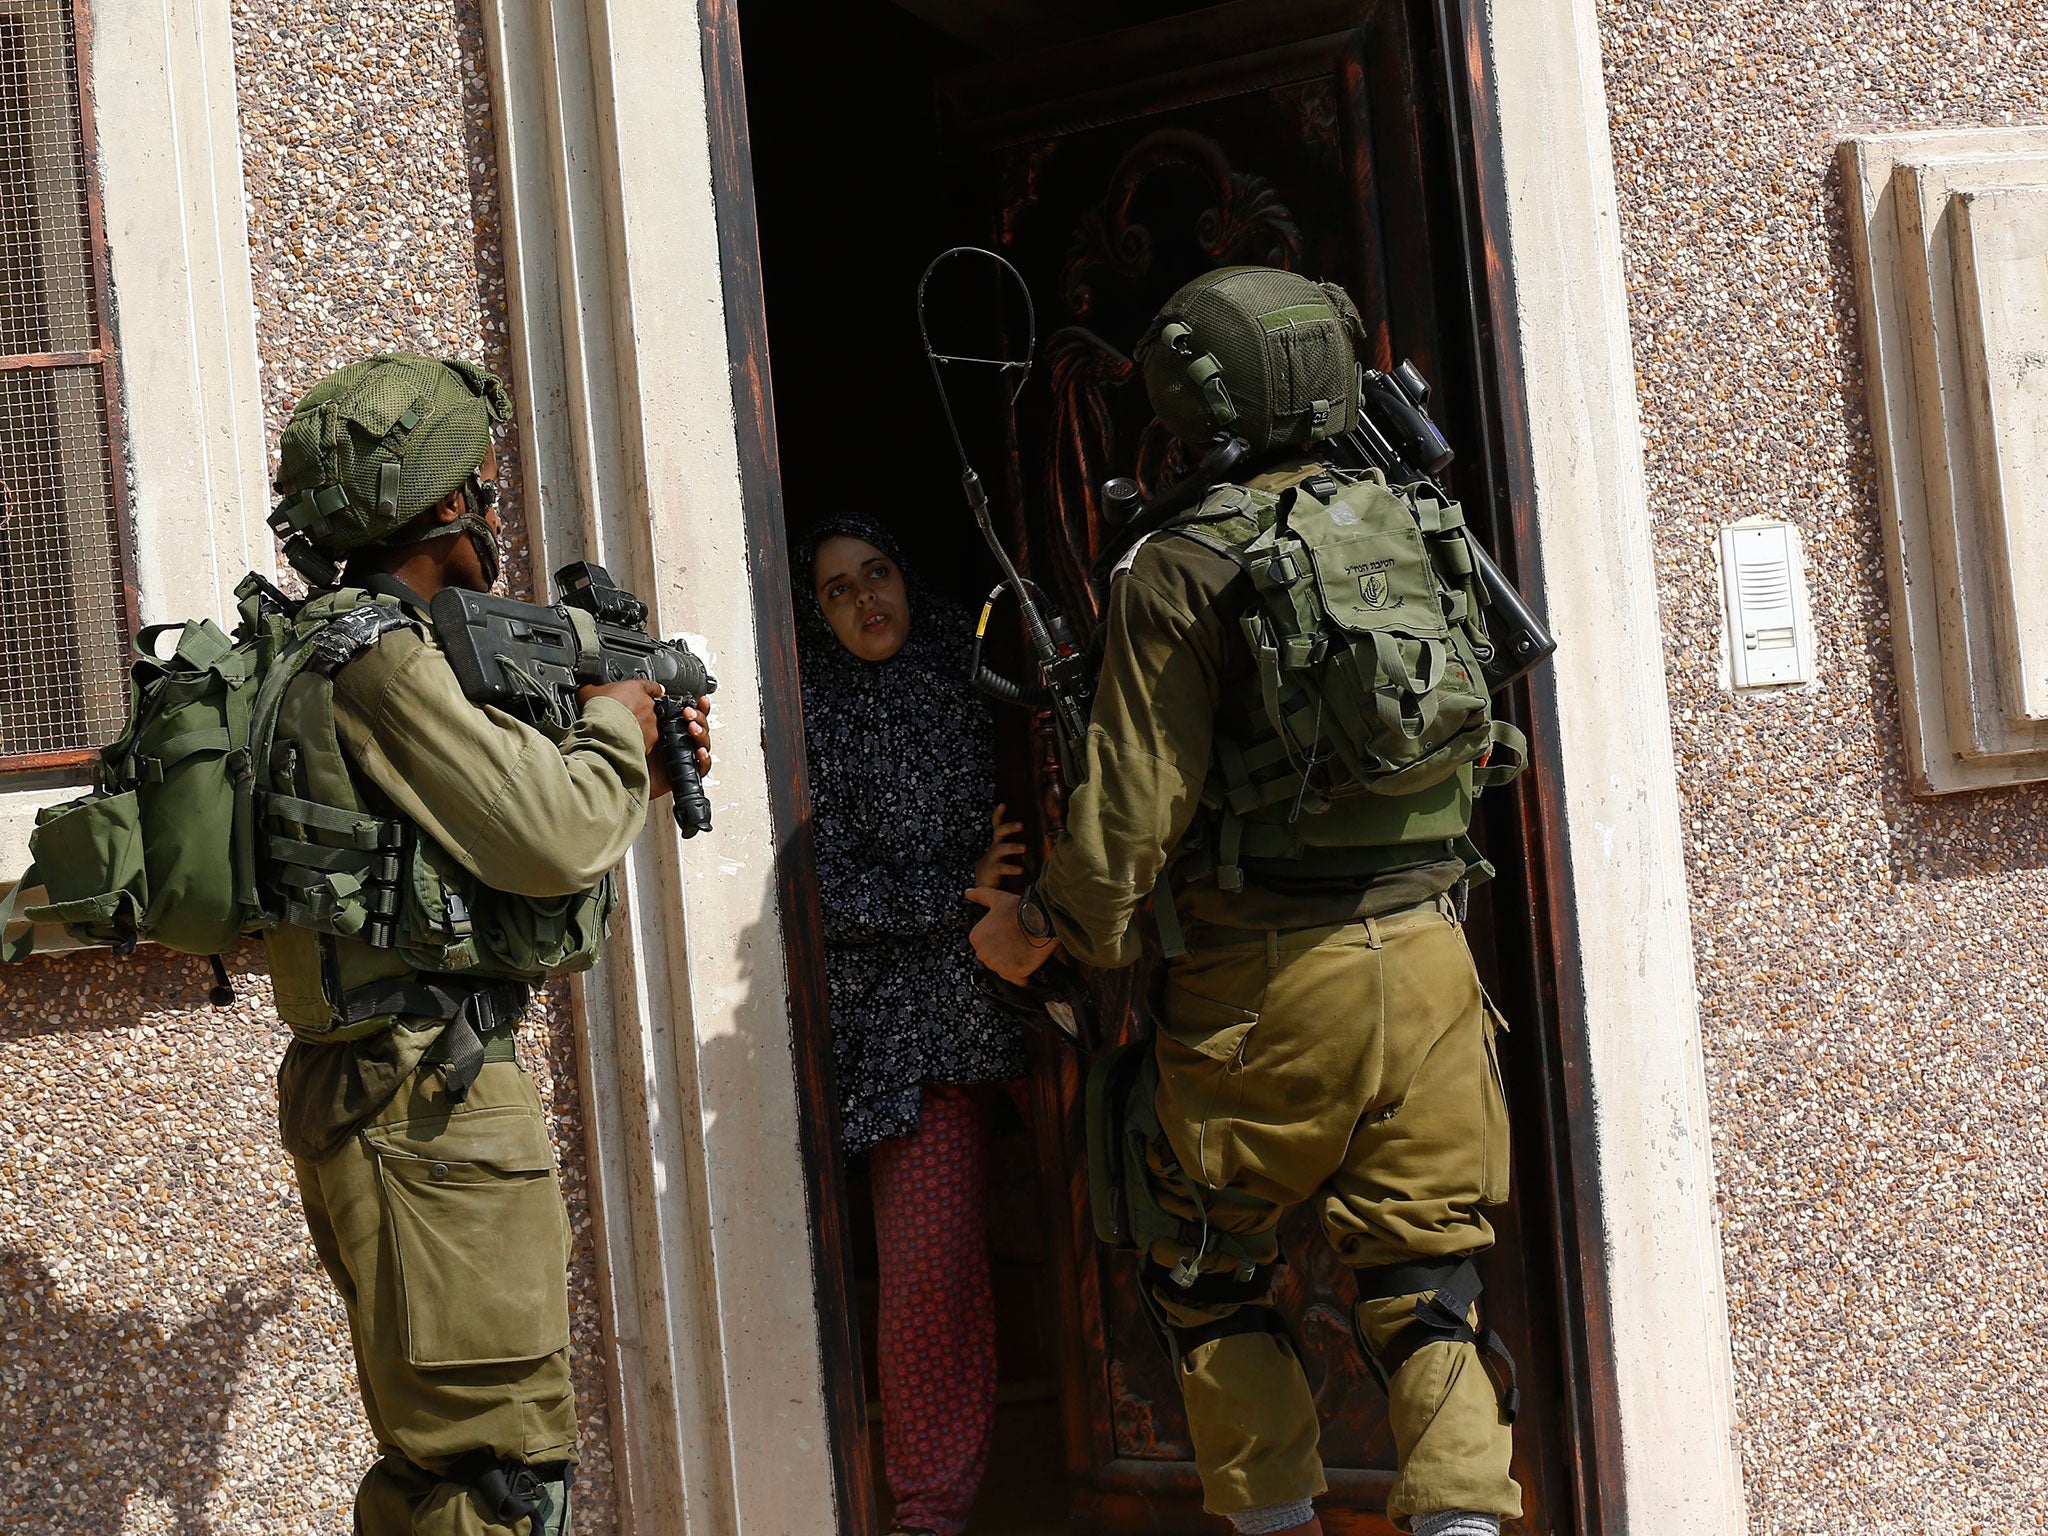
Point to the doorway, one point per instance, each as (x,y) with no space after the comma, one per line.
(856,192)
(1111,165)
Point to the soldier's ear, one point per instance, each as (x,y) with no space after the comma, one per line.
(450,507)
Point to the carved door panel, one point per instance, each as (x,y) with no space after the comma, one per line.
(1306,136)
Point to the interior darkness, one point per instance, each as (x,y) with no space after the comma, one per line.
(854,198)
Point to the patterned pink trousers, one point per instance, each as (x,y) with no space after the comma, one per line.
(938,1326)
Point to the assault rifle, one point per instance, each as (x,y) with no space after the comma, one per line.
(530,659)
(1064,681)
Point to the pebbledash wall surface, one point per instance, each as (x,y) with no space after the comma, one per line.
(1870,964)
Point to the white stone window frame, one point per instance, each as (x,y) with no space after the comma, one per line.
(184,322)
(1959,588)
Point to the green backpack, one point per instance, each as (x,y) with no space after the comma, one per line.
(194,834)
(1369,636)
(149,853)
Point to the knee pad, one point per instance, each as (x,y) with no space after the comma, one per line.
(1449,1287)
(509,1492)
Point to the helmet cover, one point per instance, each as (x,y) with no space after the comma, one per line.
(1254,352)
(378,442)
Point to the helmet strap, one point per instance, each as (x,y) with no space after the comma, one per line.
(478,496)
(320,571)
(483,541)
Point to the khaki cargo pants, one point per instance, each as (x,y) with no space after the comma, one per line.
(443,1228)
(1354,1067)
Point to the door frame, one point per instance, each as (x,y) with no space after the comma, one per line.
(648,435)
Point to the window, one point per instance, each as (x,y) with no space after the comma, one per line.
(67,602)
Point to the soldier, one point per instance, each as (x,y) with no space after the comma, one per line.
(1290,728)
(432,859)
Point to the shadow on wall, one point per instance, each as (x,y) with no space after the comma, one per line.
(73,1378)
(1931,838)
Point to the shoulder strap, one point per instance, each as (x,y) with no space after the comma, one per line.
(383,584)
(331,644)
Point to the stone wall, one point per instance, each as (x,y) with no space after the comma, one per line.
(171,1357)
(1871,965)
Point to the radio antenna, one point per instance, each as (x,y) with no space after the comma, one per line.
(1055,659)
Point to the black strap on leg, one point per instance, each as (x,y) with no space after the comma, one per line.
(1223,1288)
(1246,1319)
(1451,1287)
(1218,1288)
(510,1491)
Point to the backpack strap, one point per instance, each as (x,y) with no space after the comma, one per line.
(319,884)
(1506,755)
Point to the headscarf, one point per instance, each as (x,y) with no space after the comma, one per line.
(906,735)
(902,770)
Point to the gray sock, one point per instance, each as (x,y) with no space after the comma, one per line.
(1454,1522)
(1272,1517)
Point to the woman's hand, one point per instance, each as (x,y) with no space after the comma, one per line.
(1004,857)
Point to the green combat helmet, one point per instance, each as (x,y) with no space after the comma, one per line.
(1254,353)
(376,443)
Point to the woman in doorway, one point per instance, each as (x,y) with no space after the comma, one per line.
(902,769)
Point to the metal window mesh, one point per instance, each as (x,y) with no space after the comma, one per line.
(63,610)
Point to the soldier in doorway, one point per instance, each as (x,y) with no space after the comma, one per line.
(434,858)
(1288,733)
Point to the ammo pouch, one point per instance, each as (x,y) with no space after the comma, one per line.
(1123,1127)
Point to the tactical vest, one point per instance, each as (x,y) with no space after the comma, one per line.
(1373,733)
(374,917)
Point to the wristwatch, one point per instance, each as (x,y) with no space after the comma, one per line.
(1032,916)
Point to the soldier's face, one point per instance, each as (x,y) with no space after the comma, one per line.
(862,595)
(465,569)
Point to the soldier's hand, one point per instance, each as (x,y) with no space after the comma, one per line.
(1001,943)
(1004,856)
(697,717)
(637,694)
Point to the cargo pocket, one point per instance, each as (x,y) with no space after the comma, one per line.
(1201,1054)
(1205,1027)
(480,1241)
(1493,1188)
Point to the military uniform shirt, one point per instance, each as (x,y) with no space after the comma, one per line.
(1176,670)
(519,811)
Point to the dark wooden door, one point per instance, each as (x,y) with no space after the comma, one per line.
(1319,137)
